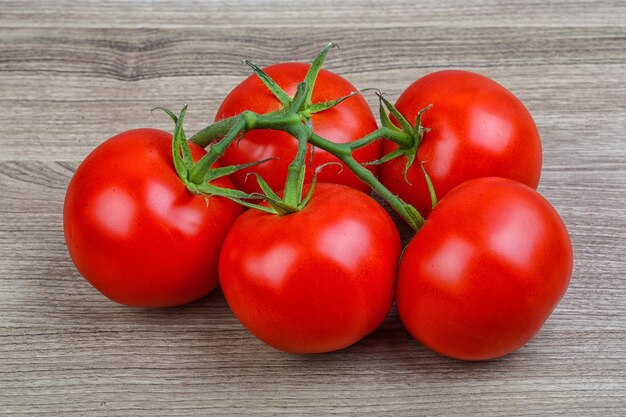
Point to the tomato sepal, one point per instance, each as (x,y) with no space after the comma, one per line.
(271,85)
(188,171)
(415,132)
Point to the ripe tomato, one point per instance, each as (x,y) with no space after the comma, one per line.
(135,232)
(346,122)
(485,271)
(316,280)
(478,129)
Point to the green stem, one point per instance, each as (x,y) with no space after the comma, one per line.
(199,171)
(291,122)
(342,152)
(215,131)
(399,137)
(276,122)
(297,168)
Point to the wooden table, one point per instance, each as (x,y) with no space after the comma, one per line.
(73,73)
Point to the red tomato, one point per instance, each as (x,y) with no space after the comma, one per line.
(135,232)
(346,122)
(478,129)
(485,271)
(313,281)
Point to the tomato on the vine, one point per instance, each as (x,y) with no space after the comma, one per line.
(485,271)
(345,122)
(135,232)
(477,129)
(316,280)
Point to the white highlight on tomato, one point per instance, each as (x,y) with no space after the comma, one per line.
(348,251)
(275,263)
(181,217)
(456,248)
(444,149)
(499,128)
(114,210)
(516,234)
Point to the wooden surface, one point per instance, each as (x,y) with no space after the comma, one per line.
(73,73)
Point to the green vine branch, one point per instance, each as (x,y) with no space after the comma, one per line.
(294,118)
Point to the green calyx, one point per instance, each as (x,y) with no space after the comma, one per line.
(307,107)
(414,132)
(197,176)
(289,119)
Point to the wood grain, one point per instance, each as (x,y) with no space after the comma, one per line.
(74,73)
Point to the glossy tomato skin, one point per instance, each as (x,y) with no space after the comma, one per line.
(314,281)
(478,129)
(485,271)
(135,232)
(346,122)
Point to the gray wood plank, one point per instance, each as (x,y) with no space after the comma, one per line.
(321,13)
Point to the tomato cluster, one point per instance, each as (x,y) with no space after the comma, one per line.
(151,220)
